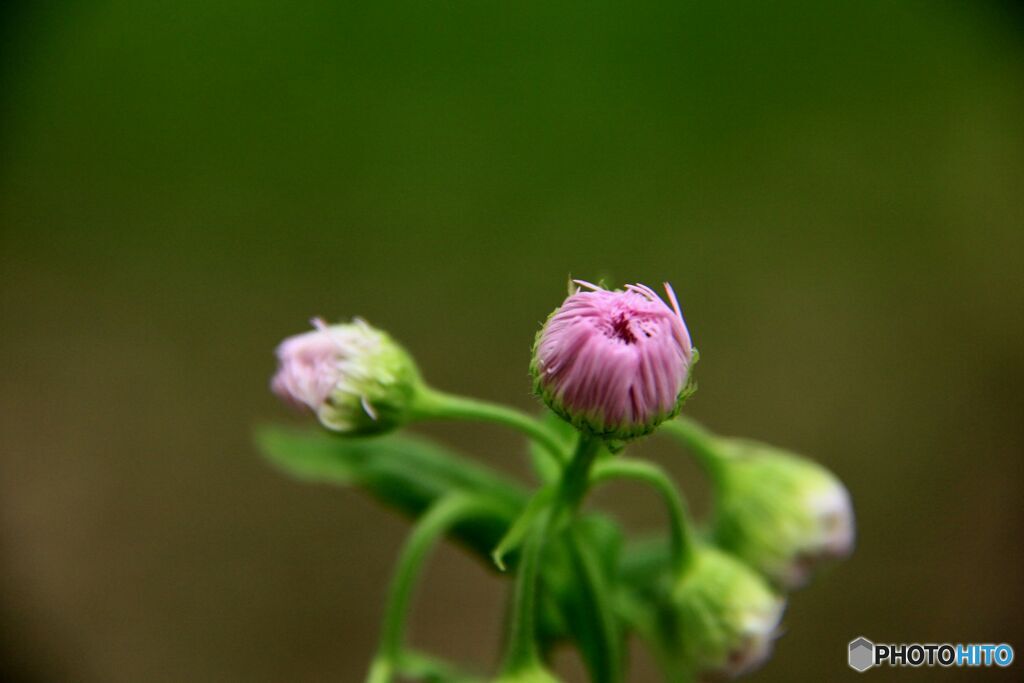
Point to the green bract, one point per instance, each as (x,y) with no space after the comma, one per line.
(377,393)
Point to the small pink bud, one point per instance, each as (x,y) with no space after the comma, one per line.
(353,376)
(614,363)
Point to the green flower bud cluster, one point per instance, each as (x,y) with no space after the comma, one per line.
(613,365)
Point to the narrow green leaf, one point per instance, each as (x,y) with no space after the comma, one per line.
(403,472)
(516,533)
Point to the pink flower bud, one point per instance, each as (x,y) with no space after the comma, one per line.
(354,377)
(614,363)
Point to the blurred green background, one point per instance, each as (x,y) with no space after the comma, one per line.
(834,190)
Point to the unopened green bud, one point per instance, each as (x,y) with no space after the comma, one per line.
(782,514)
(727,616)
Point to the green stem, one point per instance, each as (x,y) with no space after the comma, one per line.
(701,443)
(521,649)
(569,491)
(418,666)
(596,628)
(437,405)
(432,526)
(517,531)
(680,527)
(576,477)
(644,622)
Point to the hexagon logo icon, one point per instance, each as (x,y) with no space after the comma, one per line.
(862,654)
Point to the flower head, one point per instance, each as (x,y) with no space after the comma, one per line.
(727,617)
(782,514)
(614,363)
(354,377)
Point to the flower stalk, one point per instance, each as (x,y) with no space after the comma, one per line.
(434,524)
(701,443)
(680,527)
(431,404)
(521,652)
(782,514)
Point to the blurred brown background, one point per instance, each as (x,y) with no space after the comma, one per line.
(835,193)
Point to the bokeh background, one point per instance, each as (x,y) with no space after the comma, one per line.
(835,190)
